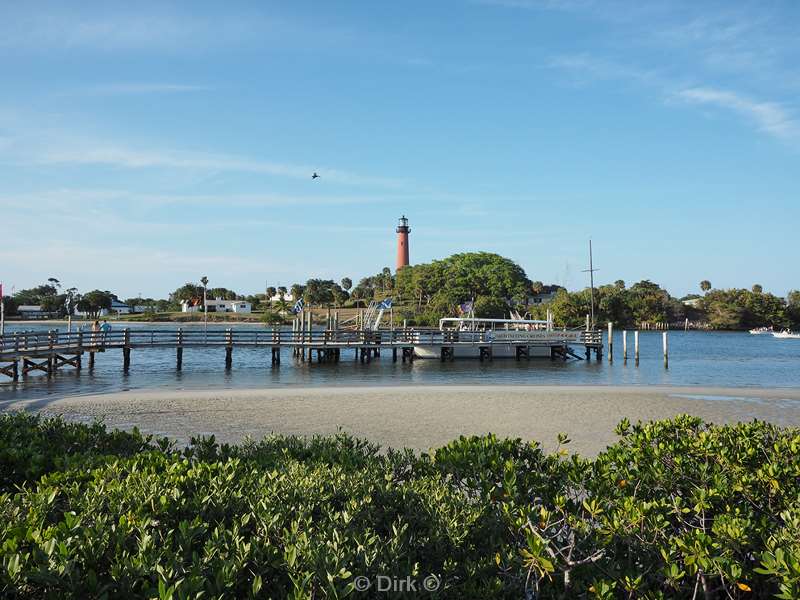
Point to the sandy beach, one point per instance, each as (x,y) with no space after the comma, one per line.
(419,417)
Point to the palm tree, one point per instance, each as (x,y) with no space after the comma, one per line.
(757,289)
(347,283)
(705,285)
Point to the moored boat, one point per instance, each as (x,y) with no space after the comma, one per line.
(762,330)
(786,334)
(466,337)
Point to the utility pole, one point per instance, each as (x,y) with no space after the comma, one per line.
(2,312)
(591,271)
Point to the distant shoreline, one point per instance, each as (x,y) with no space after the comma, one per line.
(76,322)
(419,417)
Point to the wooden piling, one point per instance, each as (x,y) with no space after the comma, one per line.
(666,350)
(610,342)
(228,349)
(179,350)
(636,347)
(126,350)
(624,345)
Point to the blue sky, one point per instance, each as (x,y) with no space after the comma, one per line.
(145,145)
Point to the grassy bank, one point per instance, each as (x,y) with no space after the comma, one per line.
(672,507)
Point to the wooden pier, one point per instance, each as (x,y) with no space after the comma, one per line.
(24,353)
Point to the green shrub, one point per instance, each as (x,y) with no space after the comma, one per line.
(675,508)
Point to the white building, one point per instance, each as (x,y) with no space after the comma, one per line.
(32,311)
(545,296)
(287,297)
(117,308)
(218,305)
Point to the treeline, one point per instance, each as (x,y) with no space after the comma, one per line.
(490,284)
(57,301)
(673,509)
(647,303)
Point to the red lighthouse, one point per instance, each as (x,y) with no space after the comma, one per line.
(402,242)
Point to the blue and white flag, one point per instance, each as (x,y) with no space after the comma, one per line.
(298,306)
(467,307)
(386,304)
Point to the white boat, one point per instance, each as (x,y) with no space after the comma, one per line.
(467,336)
(786,335)
(762,330)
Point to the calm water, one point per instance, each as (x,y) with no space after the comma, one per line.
(696,358)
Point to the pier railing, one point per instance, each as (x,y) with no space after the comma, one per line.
(38,342)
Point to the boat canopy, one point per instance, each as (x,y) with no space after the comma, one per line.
(503,321)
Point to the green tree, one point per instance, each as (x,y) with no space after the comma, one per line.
(319,292)
(793,308)
(444,284)
(705,285)
(757,289)
(223,293)
(93,302)
(271,292)
(619,283)
(537,287)
(188,291)
(347,284)
(487,307)
(297,291)
(134,303)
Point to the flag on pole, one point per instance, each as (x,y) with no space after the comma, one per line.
(298,306)
(466,307)
(386,304)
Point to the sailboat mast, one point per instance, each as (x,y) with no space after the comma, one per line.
(591,282)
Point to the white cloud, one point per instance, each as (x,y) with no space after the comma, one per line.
(25,143)
(87,153)
(769,117)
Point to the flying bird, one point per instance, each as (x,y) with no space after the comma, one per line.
(314,176)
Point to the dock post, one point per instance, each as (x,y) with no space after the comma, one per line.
(179,350)
(15,370)
(624,345)
(394,354)
(126,350)
(587,322)
(228,349)
(666,350)
(610,342)
(50,360)
(310,334)
(686,324)
(636,347)
(91,359)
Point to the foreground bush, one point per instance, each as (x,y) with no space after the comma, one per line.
(676,508)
